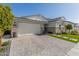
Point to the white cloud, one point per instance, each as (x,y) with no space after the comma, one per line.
(75,21)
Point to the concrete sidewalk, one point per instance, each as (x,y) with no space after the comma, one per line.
(74,51)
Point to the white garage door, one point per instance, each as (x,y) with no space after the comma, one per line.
(27,28)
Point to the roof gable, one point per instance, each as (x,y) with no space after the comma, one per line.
(57,19)
(37,17)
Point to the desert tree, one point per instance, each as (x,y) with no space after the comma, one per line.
(6,20)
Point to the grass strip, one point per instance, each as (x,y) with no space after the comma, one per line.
(67,39)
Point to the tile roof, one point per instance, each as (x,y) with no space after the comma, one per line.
(39,17)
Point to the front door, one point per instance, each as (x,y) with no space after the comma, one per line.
(45,29)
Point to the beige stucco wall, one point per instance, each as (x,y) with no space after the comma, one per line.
(51,27)
(55,26)
(58,23)
(52,24)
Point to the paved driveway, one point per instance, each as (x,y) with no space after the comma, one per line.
(33,45)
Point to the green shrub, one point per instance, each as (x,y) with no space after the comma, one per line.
(2,49)
(5,43)
(74,32)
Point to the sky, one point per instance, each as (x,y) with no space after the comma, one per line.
(49,10)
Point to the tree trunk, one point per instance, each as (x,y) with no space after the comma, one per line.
(0,41)
(69,32)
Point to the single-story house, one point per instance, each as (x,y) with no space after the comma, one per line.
(37,24)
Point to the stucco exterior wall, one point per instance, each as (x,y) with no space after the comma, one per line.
(60,26)
(52,27)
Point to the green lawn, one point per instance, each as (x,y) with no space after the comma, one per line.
(71,36)
(68,37)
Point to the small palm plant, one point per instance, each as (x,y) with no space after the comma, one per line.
(68,27)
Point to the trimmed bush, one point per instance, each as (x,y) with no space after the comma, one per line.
(74,32)
(5,43)
(2,49)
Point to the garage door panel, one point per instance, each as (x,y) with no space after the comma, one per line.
(26,28)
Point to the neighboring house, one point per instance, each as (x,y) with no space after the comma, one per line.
(38,24)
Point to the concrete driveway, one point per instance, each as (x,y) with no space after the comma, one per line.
(33,45)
